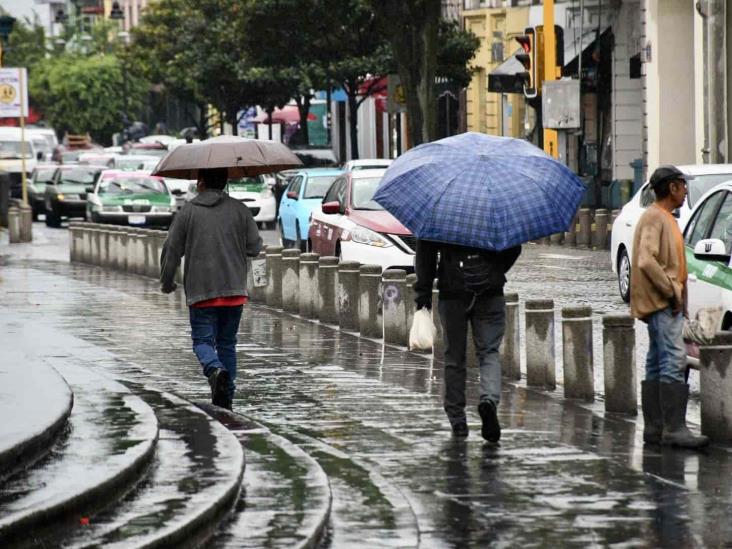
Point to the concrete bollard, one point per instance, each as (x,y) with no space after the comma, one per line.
(715,365)
(274,276)
(86,243)
(14,226)
(308,298)
(114,249)
(395,311)
(439,348)
(26,223)
(124,241)
(511,345)
(151,254)
(132,245)
(348,295)
(409,301)
(599,236)
(618,341)
(328,290)
(584,237)
(540,367)
(257,278)
(74,242)
(95,252)
(291,280)
(370,317)
(570,236)
(579,381)
(161,238)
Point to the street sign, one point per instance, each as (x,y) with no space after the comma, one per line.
(561,104)
(13,92)
(396,100)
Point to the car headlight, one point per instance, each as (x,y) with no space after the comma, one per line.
(60,197)
(362,235)
(160,209)
(111,208)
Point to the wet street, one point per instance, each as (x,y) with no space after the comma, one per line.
(370,417)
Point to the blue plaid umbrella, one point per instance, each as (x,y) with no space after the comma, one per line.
(481,191)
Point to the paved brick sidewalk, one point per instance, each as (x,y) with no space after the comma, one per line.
(371,416)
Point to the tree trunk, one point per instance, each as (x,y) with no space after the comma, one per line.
(303,107)
(202,121)
(353,121)
(426,85)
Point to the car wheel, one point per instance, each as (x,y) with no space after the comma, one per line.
(283,240)
(624,275)
(53,219)
(299,244)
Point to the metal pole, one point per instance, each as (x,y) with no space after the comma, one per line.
(551,137)
(23,145)
(582,35)
(715,102)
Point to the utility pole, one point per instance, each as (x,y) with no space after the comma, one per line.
(551,137)
(716,42)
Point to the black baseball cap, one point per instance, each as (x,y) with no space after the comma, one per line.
(664,173)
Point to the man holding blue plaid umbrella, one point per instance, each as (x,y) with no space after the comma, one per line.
(471,283)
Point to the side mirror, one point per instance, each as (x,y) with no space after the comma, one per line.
(331,207)
(292,194)
(711,249)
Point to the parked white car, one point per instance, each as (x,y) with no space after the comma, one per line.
(253,192)
(702,177)
(13,153)
(708,238)
(367,164)
(135,162)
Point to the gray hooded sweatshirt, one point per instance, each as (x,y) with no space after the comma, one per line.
(215,233)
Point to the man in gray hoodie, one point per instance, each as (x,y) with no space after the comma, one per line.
(216,234)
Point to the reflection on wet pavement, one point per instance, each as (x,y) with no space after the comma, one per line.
(372,418)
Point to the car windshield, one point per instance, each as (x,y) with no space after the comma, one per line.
(131,185)
(700,184)
(318,186)
(44,175)
(11,150)
(150,152)
(362,194)
(132,163)
(78,176)
(71,156)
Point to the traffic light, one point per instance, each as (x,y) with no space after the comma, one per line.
(527,57)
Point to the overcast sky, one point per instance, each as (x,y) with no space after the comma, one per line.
(20,9)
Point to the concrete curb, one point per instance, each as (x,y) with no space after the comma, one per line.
(22,453)
(233,421)
(67,507)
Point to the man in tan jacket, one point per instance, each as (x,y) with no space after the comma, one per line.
(658,298)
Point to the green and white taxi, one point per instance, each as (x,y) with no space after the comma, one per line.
(708,239)
(130,198)
(256,194)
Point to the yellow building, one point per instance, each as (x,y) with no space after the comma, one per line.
(487,112)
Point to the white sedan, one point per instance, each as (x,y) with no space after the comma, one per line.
(708,239)
(702,177)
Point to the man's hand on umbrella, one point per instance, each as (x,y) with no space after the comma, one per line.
(168,288)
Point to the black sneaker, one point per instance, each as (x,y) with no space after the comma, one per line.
(491,430)
(460,429)
(219,382)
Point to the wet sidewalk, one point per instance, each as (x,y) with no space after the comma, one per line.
(371,418)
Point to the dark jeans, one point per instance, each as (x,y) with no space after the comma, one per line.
(488,321)
(213,331)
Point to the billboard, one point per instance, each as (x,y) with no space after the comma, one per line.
(13,92)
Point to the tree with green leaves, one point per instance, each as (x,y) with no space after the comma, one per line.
(80,94)
(424,47)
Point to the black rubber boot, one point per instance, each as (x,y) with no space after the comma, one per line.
(219,382)
(652,416)
(491,429)
(674,397)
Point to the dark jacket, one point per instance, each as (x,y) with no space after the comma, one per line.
(215,233)
(450,279)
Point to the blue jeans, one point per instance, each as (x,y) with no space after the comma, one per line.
(488,321)
(666,359)
(213,331)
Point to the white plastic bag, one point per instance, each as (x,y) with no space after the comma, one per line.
(423,332)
